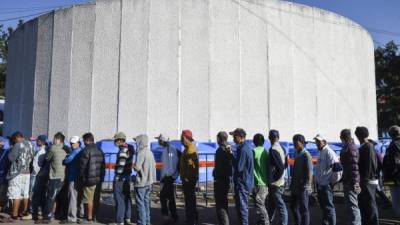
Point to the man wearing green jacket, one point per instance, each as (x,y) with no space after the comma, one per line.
(260,190)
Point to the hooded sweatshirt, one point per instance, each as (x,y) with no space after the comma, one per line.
(145,164)
(189,163)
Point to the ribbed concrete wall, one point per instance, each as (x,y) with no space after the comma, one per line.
(209,65)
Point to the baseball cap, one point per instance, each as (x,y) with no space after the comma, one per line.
(319,137)
(188,134)
(238,132)
(120,135)
(74,139)
(162,138)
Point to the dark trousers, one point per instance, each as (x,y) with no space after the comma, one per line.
(242,204)
(367,204)
(96,200)
(190,202)
(167,199)
(39,195)
(54,188)
(123,201)
(325,198)
(280,214)
(299,207)
(221,189)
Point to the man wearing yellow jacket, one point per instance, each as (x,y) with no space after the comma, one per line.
(189,171)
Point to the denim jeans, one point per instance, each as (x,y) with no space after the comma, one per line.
(351,205)
(260,195)
(189,191)
(325,198)
(280,216)
(221,189)
(367,204)
(167,199)
(39,195)
(54,188)
(395,195)
(123,201)
(242,204)
(143,205)
(299,207)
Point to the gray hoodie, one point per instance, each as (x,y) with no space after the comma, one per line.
(145,164)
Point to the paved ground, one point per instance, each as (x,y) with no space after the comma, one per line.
(208,216)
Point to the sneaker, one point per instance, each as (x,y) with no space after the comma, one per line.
(127,222)
(85,221)
(27,217)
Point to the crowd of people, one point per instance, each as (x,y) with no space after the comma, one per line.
(33,177)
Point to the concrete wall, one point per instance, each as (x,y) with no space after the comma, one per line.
(150,66)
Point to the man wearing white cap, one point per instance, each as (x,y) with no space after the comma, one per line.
(169,173)
(323,177)
(72,164)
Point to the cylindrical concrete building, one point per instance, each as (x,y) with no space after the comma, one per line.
(151,66)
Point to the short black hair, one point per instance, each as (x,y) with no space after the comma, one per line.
(14,136)
(361,132)
(258,140)
(299,138)
(59,136)
(88,137)
(222,136)
(345,134)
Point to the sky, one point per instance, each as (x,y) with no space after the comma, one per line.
(380,17)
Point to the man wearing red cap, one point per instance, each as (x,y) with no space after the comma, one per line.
(189,171)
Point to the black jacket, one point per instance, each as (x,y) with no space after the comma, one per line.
(91,165)
(368,163)
(276,166)
(349,157)
(223,164)
(391,162)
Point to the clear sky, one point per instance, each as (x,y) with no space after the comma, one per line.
(380,17)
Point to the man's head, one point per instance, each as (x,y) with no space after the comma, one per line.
(273,136)
(222,138)
(239,135)
(162,140)
(361,134)
(258,140)
(59,138)
(88,138)
(345,136)
(41,140)
(17,137)
(394,132)
(119,139)
(299,142)
(320,141)
(186,137)
(75,142)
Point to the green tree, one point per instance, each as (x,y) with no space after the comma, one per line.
(387,67)
(4,35)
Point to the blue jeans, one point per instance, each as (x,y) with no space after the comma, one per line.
(280,216)
(54,188)
(123,201)
(299,207)
(395,195)
(325,198)
(367,204)
(351,205)
(143,205)
(242,204)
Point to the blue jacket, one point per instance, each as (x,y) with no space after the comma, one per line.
(244,167)
(4,165)
(72,163)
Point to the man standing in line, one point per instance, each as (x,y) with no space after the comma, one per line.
(368,167)
(222,177)
(20,157)
(169,173)
(243,177)
(91,173)
(260,190)
(349,158)
(189,171)
(74,195)
(300,186)
(324,172)
(145,167)
(276,171)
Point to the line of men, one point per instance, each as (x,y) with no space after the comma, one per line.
(255,172)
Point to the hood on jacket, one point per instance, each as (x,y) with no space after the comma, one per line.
(142,142)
